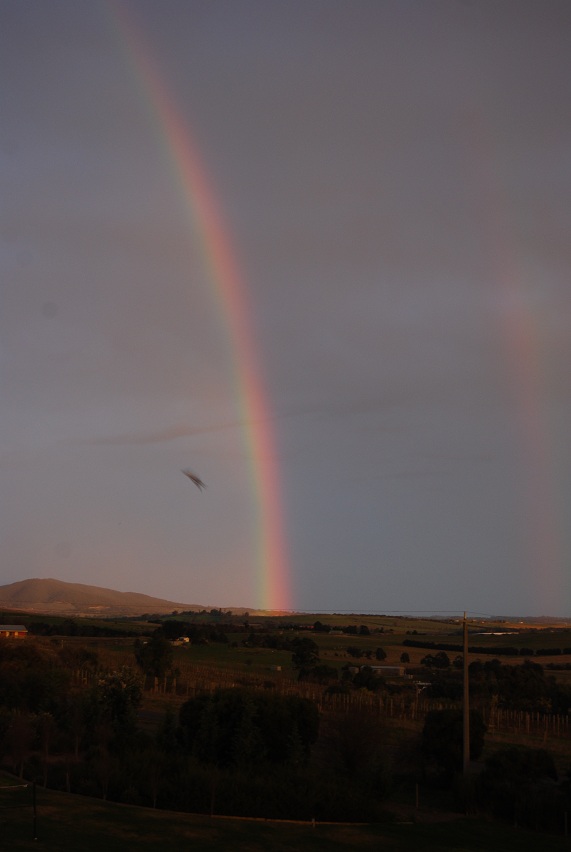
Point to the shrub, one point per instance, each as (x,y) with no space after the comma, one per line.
(518,784)
(442,739)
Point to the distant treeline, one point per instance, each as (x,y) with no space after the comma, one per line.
(197,633)
(70,627)
(505,650)
(175,627)
(349,629)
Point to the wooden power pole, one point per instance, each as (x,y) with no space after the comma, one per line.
(466,704)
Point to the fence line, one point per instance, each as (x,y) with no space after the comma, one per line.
(199,679)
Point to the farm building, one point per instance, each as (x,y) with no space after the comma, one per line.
(13,631)
(388,671)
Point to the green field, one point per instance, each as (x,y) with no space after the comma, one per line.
(333,645)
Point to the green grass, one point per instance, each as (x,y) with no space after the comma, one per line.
(397,623)
(261,662)
(83,824)
(240,659)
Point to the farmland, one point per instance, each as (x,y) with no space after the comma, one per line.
(82,823)
(105,717)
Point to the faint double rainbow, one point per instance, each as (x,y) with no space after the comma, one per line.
(231,297)
(522,337)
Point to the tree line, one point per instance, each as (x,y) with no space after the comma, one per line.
(500,650)
(239,751)
(253,752)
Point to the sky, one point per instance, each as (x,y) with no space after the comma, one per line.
(318,252)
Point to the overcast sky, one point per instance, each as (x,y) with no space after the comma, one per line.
(395,179)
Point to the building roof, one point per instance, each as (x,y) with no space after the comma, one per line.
(20,628)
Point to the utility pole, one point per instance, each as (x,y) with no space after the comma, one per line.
(466,704)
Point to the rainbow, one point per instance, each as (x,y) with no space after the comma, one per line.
(520,330)
(231,296)
(520,333)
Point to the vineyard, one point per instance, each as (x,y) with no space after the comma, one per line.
(276,719)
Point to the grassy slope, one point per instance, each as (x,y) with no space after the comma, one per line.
(83,824)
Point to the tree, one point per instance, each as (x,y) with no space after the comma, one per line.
(45,724)
(118,694)
(518,784)
(404,657)
(519,687)
(441,660)
(166,737)
(356,744)
(173,628)
(519,764)
(367,678)
(380,654)
(155,656)
(354,651)
(20,736)
(241,728)
(442,738)
(305,652)
(320,674)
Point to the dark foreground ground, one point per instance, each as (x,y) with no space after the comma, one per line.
(81,824)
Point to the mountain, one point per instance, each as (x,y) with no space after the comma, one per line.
(58,598)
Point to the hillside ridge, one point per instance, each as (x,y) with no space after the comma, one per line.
(59,597)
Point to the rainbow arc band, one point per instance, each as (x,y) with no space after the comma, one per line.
(231,297)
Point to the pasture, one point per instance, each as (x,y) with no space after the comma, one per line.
(397,710)
(84,824)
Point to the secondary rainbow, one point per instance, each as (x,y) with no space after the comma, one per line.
(520,330)
(231,296)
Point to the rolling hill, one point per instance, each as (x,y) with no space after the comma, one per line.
(59,598)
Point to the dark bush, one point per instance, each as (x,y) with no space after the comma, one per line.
(442,739)
(241,727)
(518,784)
